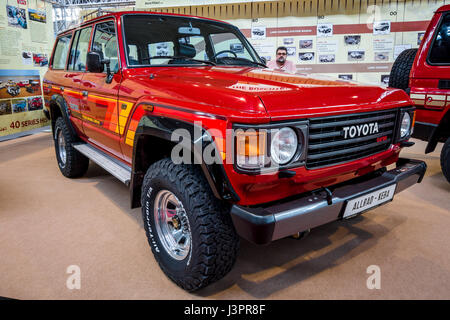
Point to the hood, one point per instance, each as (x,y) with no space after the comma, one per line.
(278,94)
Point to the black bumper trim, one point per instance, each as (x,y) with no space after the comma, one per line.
(265,224)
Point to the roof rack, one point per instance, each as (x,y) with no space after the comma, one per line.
(95,14)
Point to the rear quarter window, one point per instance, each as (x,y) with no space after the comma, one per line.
(61,51)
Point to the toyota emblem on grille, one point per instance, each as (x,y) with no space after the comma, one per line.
(360,130)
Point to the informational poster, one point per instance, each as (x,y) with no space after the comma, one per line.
(21,101)
(26,41)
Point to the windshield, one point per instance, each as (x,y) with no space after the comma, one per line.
(153,40)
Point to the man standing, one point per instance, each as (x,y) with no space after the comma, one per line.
(281,63)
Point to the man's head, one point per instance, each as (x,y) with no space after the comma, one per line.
(281,55)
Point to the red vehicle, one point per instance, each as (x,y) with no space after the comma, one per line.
(214,145)
(424,74)
(35,104)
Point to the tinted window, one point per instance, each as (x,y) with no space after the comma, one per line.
(78,54)
(105,42)
(440,52)
(61,50)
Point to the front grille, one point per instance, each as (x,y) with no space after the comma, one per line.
(328,145)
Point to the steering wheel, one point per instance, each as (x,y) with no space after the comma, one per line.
(223,51)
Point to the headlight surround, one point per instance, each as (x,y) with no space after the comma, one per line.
(405,125)
(284,145)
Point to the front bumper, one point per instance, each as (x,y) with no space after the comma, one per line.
(262,225)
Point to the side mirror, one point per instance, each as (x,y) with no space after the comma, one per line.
(94,61)
(263,60)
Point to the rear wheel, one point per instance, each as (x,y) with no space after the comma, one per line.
(189,231)
(399,77)
(445,159)
(71,163)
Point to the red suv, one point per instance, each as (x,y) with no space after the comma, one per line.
(424,74)
(214,145)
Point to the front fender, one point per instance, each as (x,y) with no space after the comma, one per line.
(161,128)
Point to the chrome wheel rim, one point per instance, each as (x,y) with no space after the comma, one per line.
(61,146)
(172,225)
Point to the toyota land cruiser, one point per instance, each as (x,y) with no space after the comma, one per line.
(212,144)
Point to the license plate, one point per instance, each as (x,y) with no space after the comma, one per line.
(369,200)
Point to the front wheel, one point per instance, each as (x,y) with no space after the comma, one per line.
(445,159)
(189,231)
(71,163)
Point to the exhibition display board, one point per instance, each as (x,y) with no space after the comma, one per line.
(351,40)
(26,41)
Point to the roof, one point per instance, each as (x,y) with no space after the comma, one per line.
(444,8)
(118,14)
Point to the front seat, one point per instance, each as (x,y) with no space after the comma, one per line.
(185,50)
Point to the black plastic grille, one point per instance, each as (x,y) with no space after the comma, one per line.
(328,145)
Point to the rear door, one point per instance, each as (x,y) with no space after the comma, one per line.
(98,97)
(76,68)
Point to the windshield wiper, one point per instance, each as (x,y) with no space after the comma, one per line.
(247,60)
(180,57)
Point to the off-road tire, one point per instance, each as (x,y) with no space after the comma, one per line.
(76,163)
(445,159)
(399,77)
(214,242)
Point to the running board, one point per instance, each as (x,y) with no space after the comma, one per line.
(113,166)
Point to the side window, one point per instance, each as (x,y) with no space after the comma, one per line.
(61,50)
(440,52)
(105,42)
(78,53)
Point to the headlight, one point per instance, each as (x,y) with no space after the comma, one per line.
(284,145)
(405,126)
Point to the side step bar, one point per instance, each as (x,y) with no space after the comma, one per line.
(113,166)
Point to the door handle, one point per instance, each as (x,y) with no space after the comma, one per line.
(84,93)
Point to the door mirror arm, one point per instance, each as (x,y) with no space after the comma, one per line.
(109,75)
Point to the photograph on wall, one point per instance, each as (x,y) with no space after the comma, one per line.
(384,79)
(420,36)
(16,17)
(19,105)
(27,58)
(324,30)
(381,27)
(324,58)
(40,59)
(5,107)
(306,56)
(288,41)
(306,44)
(291,51)
(381,56)
(345,77)
(357,55)
(35,103)
(37,15)
(19,83)
(352,40)
(258,32)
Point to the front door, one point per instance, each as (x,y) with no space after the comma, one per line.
(100,94)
